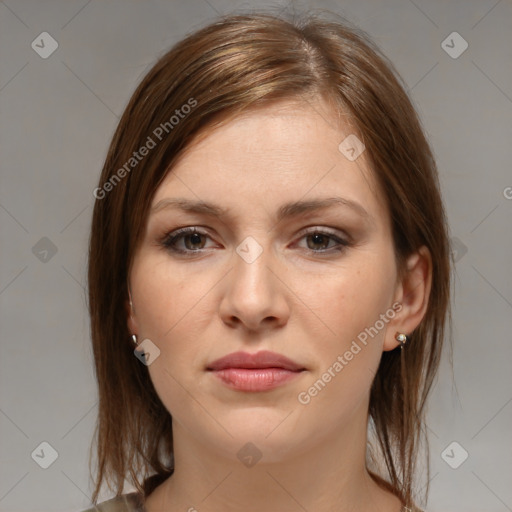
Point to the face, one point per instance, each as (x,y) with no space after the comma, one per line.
(267,272)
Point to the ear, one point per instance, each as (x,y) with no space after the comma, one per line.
(412,293)
(130,311)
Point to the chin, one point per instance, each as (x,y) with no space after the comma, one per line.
(270,434)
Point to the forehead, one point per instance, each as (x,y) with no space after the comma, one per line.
(279,152)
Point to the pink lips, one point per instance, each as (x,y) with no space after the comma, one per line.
(255,372)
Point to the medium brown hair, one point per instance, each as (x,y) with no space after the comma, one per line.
(237,63)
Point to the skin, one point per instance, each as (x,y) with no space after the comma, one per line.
(293,299)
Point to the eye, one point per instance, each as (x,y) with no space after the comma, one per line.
(192,238)
(317,241)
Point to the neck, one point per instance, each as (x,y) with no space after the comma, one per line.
(330,475)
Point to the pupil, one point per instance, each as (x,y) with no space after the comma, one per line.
(317,239)
(195,238)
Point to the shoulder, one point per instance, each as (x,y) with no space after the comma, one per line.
(132,502)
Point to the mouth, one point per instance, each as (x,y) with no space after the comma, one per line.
(262,371)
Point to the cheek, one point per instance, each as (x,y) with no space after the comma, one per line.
(165,315)
(165,298)
(350,347)
(173,311)
(348,299)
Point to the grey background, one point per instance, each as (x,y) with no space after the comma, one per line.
(57,117)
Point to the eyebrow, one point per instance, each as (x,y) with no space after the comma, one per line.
(291,209)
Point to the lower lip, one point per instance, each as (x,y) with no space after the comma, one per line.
(257,379)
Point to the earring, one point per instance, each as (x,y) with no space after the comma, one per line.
(401,338)
(134,338)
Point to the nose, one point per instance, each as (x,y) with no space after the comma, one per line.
(255,296)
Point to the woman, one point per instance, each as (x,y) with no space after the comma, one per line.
(268,277)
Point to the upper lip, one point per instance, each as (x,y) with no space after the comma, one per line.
(262,359)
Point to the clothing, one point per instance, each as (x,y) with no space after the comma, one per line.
(133,502)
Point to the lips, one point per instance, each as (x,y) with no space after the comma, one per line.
(260,360)
(260,372)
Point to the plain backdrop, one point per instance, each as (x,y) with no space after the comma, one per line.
(58,112)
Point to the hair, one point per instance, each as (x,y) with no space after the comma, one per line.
(235,64)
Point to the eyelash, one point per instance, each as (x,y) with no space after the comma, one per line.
(169,241)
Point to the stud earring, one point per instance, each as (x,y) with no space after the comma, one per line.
(134,338)
(401,338)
